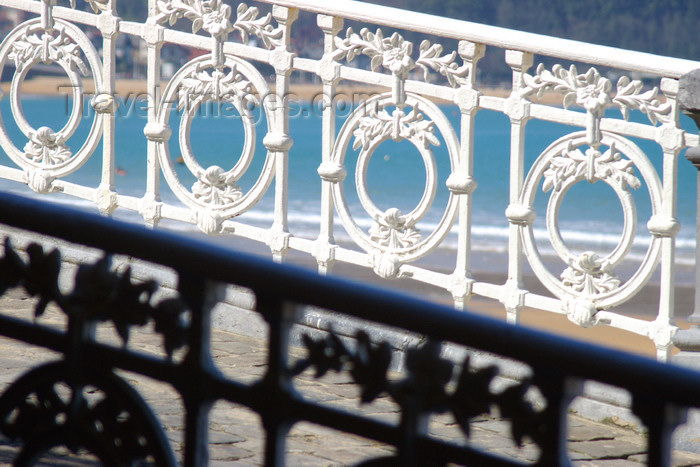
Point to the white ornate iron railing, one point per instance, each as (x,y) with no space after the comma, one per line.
(586,288)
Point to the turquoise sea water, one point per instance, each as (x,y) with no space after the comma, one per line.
(590,218)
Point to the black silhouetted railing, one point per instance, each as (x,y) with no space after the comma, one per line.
(120,429)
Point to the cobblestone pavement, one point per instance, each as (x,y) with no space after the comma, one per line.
(236,437)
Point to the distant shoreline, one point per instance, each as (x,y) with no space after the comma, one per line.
(60,86)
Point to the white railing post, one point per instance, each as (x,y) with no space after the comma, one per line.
(329,71)
(104,103)
(278,141)
(150,207)
(463,183)
(666,226)
(518,110)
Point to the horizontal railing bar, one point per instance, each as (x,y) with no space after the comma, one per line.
(293,283)
(42,336)
(497,36)
(129,27)
(32,334)
(147,365)
(383,432)
(380,79)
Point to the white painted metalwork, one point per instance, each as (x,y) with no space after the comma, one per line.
(586,290)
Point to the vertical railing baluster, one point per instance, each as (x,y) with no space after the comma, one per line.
(660,420)
(559,390)
(666,226)
(276,386)
(330,74)
(462,182)
(200,296)
(153,35)
(279,140)
(518,110)
(104,104)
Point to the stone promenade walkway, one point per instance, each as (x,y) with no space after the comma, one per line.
(236,437)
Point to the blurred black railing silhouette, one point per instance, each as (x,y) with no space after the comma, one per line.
(120,429)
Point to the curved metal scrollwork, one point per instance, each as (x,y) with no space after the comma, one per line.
(84,409)
(216,192)
(589,282)
(562,165)
(46,156)
(394,239)
(220,78)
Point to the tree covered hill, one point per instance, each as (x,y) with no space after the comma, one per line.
(664,27)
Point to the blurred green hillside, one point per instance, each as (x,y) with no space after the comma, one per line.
(664,27)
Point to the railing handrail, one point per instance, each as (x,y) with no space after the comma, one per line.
(497,36)
(292,283)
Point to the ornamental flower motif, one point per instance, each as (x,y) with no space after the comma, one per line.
(592,166)
(398,58)
(393,230)
(60,49)
(589,90)
(594,97)
(216,187)
(215,18)
(394,54)
(45,149)
(398,125)
(247,24)
(217,85)
(588,275)
(212,15)
(430,57)
(593,92)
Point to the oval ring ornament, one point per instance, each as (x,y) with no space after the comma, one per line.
(563,165)
(197,82)
(393,240)
(46,156)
